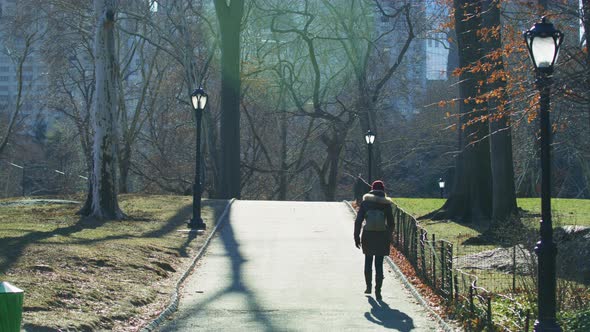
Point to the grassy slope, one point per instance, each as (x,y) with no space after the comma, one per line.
(93,276)
(564,212)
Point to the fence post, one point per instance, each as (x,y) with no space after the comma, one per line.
(514,269)
(450,269)
(422,255)
(412,225)
(456,287)
(434,261)
(414,243)
(471,308)
(443,270)
(395,225)
(407,237)
(399,227)
(402,230)
(23,179)
(490,313)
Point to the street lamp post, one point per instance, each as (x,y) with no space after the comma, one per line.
(199,101)
(441,186)
(543,42)
(370,139)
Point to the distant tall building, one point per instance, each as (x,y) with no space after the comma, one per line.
(437,56)
(13,43)
(406,90)
(427,58)
(437,44)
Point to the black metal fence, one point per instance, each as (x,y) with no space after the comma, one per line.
(434,258)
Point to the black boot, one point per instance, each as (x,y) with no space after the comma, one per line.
(368,277)
(378,284)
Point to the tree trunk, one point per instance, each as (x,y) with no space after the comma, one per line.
(334,156)
(103,196)
(328,173)
(470,199)
(503,188)
(586,24)
(124,166)
(283,183)
(124,152)
(229,15)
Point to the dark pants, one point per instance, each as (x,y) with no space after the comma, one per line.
(378,266)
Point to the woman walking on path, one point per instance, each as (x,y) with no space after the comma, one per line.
(377,212)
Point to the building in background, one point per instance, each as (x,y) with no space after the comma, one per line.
(437,42)
(426,60)
(22,69)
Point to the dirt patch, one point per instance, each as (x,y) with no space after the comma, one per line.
(26,202)
(87,275)
(509,259)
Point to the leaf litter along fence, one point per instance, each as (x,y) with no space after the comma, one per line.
(434,262)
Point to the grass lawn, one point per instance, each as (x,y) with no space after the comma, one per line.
(419,206)
(564,211)
(443,229)
(83,274)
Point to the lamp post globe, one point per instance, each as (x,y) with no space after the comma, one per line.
(441,186)
(199,101)
(543,42)
(370,139)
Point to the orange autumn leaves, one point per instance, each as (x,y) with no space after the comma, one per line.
(505,77)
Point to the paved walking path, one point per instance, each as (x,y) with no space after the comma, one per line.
(290,266)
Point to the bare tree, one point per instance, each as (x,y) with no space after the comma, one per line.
(355,24)
(179,33)
(102,198)
(70,60)
(136,75)
(314,89)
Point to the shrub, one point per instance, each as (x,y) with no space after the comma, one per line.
(576,321)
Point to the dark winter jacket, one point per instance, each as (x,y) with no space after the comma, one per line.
(374,242)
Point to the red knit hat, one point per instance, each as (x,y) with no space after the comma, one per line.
(378,185)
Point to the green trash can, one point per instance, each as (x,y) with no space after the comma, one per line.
(11,307)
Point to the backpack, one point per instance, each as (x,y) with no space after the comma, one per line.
(375,220)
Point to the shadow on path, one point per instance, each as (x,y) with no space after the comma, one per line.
(237,286)
(381,314)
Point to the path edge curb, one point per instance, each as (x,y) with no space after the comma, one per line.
(441,322)
(174,298)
